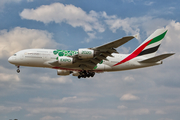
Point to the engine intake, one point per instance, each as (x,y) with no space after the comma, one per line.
(85,53)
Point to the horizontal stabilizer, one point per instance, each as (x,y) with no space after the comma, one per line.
(156,58)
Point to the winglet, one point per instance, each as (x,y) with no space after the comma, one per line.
(136,36)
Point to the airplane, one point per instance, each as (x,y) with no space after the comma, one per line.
(87,61)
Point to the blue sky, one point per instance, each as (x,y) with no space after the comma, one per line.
(39,94)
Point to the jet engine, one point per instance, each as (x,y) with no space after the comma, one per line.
(85,53)
(65,60)
(63,72)
(75,73)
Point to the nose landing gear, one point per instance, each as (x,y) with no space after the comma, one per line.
(18,70)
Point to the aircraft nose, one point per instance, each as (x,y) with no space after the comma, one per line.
(11,60)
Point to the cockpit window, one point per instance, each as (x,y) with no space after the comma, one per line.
(14,54)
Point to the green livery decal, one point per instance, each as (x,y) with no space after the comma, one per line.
(86,52)
(101,62)
(68,53)
(158,38)
(98,63)
(65,60)
(65,52)
(95,67)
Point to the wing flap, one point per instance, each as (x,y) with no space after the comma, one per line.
(157,58)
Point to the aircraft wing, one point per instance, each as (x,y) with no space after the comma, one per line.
(115,43)
(101,52)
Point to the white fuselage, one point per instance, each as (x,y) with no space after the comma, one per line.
(42,58)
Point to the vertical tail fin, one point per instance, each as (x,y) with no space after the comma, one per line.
(150,46)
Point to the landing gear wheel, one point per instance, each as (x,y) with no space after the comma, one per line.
(84,74)
(18,70)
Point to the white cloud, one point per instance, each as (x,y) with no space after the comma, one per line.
(92,22)
(125,24)
(160,112)
(149,3)
(133,25)
(2,2)
(129,1)
(171,41)
(129,79)
(123,50)
(129,97)
(98,117)
(104,14)
(30,0)
(49,79)
(51,118)
(141,111)
(94,113)
(165,119)
(9,77)
(92,35)
(23,38)
(172,101)
(37,110)
(64,100)
(122,107)
(4,109)
(70,14)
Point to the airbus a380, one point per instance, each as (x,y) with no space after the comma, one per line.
(87,61)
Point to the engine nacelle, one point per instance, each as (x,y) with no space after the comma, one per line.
(65,60)
(75,73)
(85,53)
(63,72)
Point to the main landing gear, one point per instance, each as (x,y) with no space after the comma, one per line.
(18,70)
(85,74)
